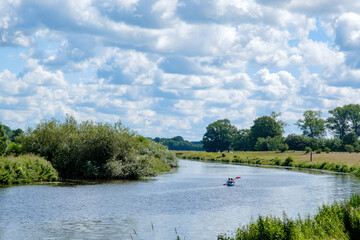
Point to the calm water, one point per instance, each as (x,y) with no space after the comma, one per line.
(193,200)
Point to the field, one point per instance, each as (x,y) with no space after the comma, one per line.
(334,161)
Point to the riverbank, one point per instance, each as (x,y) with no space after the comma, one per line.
(335,221)
(26,169)
(335,161)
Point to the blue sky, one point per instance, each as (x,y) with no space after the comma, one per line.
(170,67)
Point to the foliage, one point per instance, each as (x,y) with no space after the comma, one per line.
(345,119)
(219,136)
(349,148)
(335,221)
(26,169)
(312,125)
(264,127)
(241,140)
(334,144)
(271,144)
(12,134)
(3,143)
(297,142)
(89,150)
(178,143)
(13,149)
(288,161)
(308,149)
(350,139)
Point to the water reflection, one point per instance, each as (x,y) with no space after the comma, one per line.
(193,200)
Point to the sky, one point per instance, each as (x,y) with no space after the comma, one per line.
(171,67)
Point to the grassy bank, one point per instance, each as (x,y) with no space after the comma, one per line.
(336,221)
(337,162)
(26,169)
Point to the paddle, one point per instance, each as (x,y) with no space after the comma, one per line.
(235,178)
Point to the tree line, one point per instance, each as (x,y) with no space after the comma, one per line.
(178,143)
(266,134)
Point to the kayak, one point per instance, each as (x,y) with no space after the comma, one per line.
(230,183)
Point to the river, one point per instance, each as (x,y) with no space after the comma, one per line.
(191,200)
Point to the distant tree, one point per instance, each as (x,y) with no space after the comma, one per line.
(276,143)
(241,140)
(297,142)
(264,127)
(3,139)
(178,139)
(353,115)
(338,122)
(219,136)
(350,139)
(334,144)
(312,125)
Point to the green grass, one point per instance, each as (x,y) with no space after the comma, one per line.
(336,162)
(336,221)
(26,169)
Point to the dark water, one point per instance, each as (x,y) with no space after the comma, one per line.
(193,200)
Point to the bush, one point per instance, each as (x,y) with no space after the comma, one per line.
(349,148)
(26,169)
(327,150)
(308,149)
(288,161)
(283,147)
(13,149)
(89,150)
(277,161)
(318,151)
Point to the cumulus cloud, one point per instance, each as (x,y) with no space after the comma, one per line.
(169,68)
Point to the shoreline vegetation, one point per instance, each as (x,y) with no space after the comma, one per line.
(335,161)
(26,169)
(332,221)
(84,151)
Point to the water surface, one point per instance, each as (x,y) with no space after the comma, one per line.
(192,199)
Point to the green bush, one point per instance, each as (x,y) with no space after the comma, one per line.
(349,148)
(327,150)
(26,169)
(13,149)
(318,151)
(308,149)
(89,150)
(288,161)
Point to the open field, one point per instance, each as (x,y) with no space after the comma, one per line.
(335,161)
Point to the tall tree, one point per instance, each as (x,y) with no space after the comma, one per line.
(241,140)
(312,125)
(338,123)
(219,136)
(3,144)
(264,127)
(353,115)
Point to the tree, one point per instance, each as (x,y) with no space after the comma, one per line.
(312,125)
(353,115)
(219,136)
(264,127)
(350,139)
(297,142)
(3,143)
(241,140)
(338,122)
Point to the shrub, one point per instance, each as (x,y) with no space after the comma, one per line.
(283,147)
(288,161)
(277,161)
(307,149)
(349,148)
(318,151)
(95,150)
(13,149)
(327,150)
